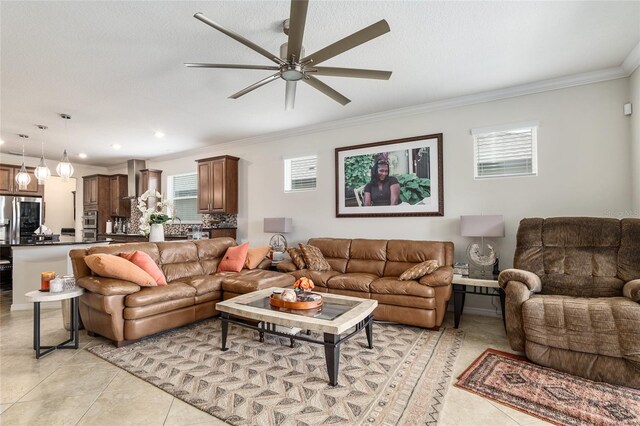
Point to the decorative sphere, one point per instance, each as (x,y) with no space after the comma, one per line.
(289,295)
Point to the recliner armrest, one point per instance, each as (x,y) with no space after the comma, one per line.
(287,266)
(531,280)
(631,290)
(107,286)
(439,278)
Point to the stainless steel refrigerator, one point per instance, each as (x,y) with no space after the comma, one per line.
(20,217)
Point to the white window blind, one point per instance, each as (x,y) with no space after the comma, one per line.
(505,152)
(300,174)
(183,191)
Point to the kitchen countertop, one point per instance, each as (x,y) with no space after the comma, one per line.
(5,243)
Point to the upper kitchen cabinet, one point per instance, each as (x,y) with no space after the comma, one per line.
(218,185)
(120,205)
(96,193)
(150,179)
(8,185)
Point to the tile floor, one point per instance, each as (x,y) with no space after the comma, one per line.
(74,387)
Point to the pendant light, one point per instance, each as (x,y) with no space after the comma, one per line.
(65,169)
(22,177)
(42,172)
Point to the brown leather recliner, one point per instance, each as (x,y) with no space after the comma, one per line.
(573,299)
(370,269)
(123,311)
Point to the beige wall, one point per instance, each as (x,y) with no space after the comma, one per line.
(58,198)
(584,169)
(634,123)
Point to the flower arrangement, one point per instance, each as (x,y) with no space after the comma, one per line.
(156,213)
(303,284)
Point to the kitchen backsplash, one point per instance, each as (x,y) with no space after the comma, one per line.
(218,220)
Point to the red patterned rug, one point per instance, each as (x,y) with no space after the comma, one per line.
(553,396)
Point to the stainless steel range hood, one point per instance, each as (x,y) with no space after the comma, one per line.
(134,181)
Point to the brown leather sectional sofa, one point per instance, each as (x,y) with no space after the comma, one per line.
(370,269)
(123,311)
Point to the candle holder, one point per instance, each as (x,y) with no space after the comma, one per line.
(45,279)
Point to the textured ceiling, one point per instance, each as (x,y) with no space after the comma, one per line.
(116,67)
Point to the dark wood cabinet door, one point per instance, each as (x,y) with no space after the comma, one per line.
(151,179)
(119,206)
(113,196)
(217,186)
(90,191)
(204,187)
(6,180)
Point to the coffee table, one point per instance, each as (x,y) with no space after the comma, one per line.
(337,316)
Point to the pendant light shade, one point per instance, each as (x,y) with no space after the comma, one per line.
(42,172)
(22,177)
(65,169)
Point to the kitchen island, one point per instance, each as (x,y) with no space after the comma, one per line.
(30,259)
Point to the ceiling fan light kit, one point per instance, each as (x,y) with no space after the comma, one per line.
(293,66)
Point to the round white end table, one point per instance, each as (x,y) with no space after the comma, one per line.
(39,296)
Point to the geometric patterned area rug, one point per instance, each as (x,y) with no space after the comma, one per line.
(551,395)
(402,380)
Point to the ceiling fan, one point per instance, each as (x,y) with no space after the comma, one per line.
(293,66)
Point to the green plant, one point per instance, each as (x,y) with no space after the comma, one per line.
(413,189)
(357,170)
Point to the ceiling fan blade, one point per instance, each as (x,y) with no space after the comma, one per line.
(255,86)
(349,42)
(317,84)
(350,72)
(290,95)
(297,20)
(240,66)
(251,45)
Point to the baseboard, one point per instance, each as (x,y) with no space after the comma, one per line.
(29,306)
(470,310)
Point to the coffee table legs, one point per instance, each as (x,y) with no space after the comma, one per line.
(369,331)
(332,356)
(225,330)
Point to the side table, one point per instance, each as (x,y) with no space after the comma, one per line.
(37,297)
(465,285)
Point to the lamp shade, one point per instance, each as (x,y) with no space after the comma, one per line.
(278,225)
(482,226)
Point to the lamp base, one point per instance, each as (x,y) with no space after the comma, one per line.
(481,273)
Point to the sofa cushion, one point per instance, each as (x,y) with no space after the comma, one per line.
(234,259)
(335,251)
(403,254)
(405,301)
(108,265)
(150,248)
(144,262)
(255,256)
(131,313)
(255,279)
(296,257)
(367,256)
(210,252)
(205,283)
(313,258)
(179,259)
(419,270)
(150,295)
(319,278)
(392,285)
(356,281)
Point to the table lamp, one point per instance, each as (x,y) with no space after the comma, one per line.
(279,226)
(482,255)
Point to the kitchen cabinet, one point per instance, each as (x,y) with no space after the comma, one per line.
(96,197)
(8,185)
(218,184)
(151,179)
(119,205)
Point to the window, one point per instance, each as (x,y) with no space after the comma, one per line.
(183,191)
(505,151)
(300,173)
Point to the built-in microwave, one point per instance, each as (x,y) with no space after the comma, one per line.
(90,220)
(89,235)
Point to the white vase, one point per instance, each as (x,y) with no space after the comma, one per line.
(156,233)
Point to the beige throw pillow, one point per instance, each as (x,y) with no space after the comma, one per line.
(419,270)
(296,257)
(314,259)
(111,266)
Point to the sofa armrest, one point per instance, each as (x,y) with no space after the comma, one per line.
(531,280)
(631,290)
(439,278)
(107,286)
(264,264)
(287,266)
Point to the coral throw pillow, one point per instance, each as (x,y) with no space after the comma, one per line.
(255,256)
(234,259)
(313,258)
(419,270)
(296,257)
(108,265)
(146,263)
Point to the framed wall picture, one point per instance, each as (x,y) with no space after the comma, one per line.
(401,177)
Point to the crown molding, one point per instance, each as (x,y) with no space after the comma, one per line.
(457,102)
(632,61)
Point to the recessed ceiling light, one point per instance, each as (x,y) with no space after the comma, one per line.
(116,146)
(82,155)
(159,135)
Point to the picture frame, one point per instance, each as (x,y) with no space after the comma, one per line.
(400,177)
